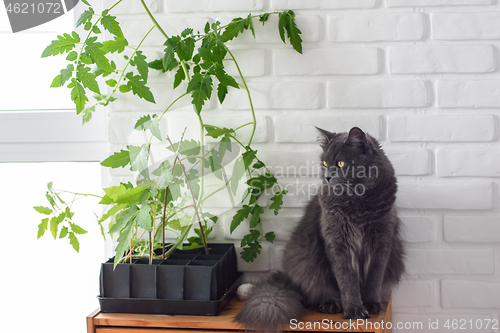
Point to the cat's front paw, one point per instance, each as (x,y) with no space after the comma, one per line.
(356,312)
(330,307)
(373,307)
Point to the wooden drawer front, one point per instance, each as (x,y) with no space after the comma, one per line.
(152,330)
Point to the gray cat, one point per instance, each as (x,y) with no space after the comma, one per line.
(346,252)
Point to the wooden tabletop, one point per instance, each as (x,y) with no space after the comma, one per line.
(311,321)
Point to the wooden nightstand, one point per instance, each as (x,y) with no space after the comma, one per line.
(98,322)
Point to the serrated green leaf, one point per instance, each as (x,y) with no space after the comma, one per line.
(169,61)
(86,2)
(87,114)
(201,88)
(54,226)
(143,219)
(238,172)
(43,210)
(250,24)
(256,212)
(250,238)
(287,23)
(123,242)
(117,160)
(139,88)
(185,49)
(139,159)
(69,214)
(215,133)
(123,219)
(86,16)
(112,211)
(42,227)
(270,236)
(240,215)
(116,45)
(277,200)
(156,64)
(262,182)
(87,78)
(77,229)
(74,241)
(64,232)
(64,43)
(149,123)
(250,252)
(122,194)
(97,54)
(111,24)
(234,28)
(248,157)
(78,95)
(180,75)
(142,65)
(264,17)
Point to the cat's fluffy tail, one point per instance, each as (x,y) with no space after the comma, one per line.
(272,303)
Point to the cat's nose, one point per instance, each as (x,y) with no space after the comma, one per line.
(328,178)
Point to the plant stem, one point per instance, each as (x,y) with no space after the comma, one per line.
(153,19)
(163,224)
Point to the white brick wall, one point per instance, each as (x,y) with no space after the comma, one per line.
(422,76)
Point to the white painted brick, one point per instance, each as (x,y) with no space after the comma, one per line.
(311,27)
(120,129)
(468,93)
(465,26)
(334,61)
(278,95)
(470,294)
(441,59)
(456,162)
(331,4)
(378,94)
(409,161)
(445,195)
(443,261)
(432,322)
(372,27)
(132,7)
(419,3)
(442,128)
(290,163)
(300,191)
(413,293)
(472,229)
(252,63)
(178,121)
(261,264)
(190,6)
(135,29)
(292,128)
(418,229)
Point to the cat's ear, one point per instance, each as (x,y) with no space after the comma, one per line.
(357,139)
(326,135)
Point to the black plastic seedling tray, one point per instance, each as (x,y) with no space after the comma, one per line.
(187,282)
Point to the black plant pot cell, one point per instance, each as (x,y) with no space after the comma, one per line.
(198,280)
(143,279)
(170,279)
(115,283)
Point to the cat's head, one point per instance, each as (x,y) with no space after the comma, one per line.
(352,163)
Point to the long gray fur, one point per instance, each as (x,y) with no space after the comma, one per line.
(346,252)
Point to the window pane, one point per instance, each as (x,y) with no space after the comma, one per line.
(45,278)
(26,77)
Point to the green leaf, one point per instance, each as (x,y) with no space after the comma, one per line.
(185,49)
(258,165)
(142,65)
(201,88)
(238,172)
(248,157)
(169,61)
(270,236)
(64,43)
(72,56)
(112,211)
(180,75)
(64,232)
(234,28)
(42,227)
(264,17)
(78,95)
(123,242)
(85,17)
(109,23)
(54,226)
(156,64)
(86,2)
(111,82)
(87,114)
(117,160)
(250,238)
(277,200)
(139,88)
(240,215)
(251,252)
(215,133)
(144,218)
(87,78)
(188,148)
(96,30)
(149,123)
(122,194)
(256,212)
(123,219)
(139,159)
(165,176)
(97,54)
(74,242)
(43,210)
(287,23)
(68,213)
(262,182)
(250,24)
(77,229)
(61,79)
(124,88)
(116,45)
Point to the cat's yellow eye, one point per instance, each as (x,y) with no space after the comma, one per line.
(324,163)
(340,164)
